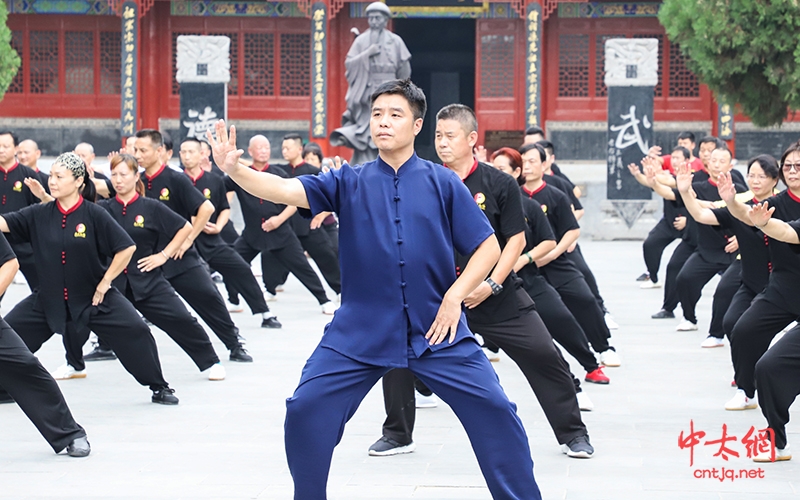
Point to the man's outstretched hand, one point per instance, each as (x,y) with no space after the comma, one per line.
(223,147)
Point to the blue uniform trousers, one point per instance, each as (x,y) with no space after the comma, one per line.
(333,385)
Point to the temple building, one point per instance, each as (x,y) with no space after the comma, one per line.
(518,64)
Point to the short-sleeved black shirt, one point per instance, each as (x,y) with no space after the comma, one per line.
(175,190)
(256,211)
(538,230)
(497,195)
(566,188)
(556,208)
(6,253)
(212,187)
(14,194)
(784,281)
(110,185)
(147,222)
(753,248)
(71,249)
(300,224)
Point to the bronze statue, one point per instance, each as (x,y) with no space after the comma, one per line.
(375,57)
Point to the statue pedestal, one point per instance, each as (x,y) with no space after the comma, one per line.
(628,219)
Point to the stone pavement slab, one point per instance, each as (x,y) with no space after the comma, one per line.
(225,439)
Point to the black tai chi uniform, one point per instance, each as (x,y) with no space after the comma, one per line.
(187,275)
(316,242)
(27,381)
(562,273)
(221,256)
(72,248)
(147,221)
(509,320)
(279,245)
(15,195)
(775,307)
(557,317)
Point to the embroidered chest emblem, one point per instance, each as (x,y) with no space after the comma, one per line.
(80,231)
(480,199)
(138,221)
(164,195)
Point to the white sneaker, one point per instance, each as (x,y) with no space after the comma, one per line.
(279,289)
(584,403)
(423,401)
(649,284)
(610,323)
(492,356)
(66,372)
(234,308)
(216,372)
(781,455)
(610,358)
(712,341)
(740,401)
(269,297)
(329,308)
(686,326)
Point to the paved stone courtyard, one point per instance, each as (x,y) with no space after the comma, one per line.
(225,439)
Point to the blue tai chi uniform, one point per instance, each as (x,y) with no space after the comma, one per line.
(398,235)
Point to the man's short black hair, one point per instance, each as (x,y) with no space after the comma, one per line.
(406,88)
(712,140)
(294,136)
(724,147)
(685,152)
(166,140)
(192,139)
(13,136)
(548,146)
(537,146)
(686,135)
(154,135)
(534,131)
(460,113)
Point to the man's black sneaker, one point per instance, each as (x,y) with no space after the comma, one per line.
(239,354)
(164,396)
(385,447)
(579,447)
(271,323)
(100,354)
(644,277)
(79,447)
(663,314)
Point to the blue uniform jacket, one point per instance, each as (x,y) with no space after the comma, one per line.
(397,236)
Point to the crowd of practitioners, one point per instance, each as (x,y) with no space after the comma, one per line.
(745,229)
(112,255)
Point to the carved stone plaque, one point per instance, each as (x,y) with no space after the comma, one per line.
(203,59)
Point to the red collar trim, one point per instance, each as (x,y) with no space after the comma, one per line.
(15,165)
(471,170)
(195,179)
(793,196)
(298,165)
(74,207)
(266,167)
(531,193)
(712,182)
(151,177)
(135,197)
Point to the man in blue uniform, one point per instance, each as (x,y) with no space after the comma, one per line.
(401,220)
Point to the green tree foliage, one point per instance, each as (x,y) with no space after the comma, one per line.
(9,59)
(745,51)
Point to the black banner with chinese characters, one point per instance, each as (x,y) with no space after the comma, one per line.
(130,55)
(725,122)
(202,105)
(630,135)
(319,69)
(533,62)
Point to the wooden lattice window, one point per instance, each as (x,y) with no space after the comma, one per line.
(79,62)
(17,84)
(259,64)
(573,65)
(176,87)
(600,89)
(497,66)
(110,64)
(233,85)
(295,64)
(682,82)
(44,62)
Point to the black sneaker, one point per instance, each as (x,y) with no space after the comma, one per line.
(663,314)
(164,396)
(79,447)
(385,447)
(240,354)
(579,447)
(271,323)
(644,277)
(99,354)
